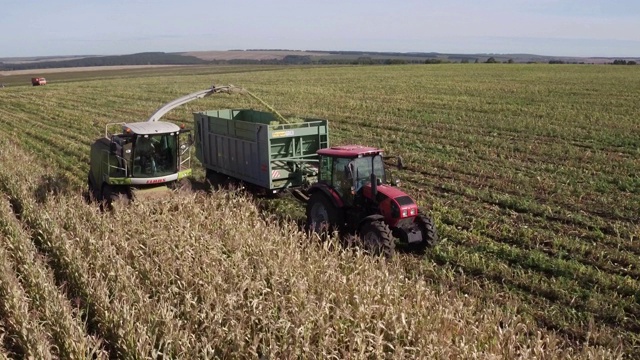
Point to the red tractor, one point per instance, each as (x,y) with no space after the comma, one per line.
(37,81)
(352,196)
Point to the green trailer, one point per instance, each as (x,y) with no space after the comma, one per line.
(253,147)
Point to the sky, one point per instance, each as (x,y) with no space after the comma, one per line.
(586,28)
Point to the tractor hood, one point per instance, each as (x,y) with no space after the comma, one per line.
(395,205)
(386,190)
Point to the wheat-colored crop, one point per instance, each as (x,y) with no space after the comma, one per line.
(24,332)
(60,320)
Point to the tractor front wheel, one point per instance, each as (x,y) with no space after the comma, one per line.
(429,233)
(322,215)
(377,238)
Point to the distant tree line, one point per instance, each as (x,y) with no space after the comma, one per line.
(332,58)
(615,62)
(149,58)
(624,62)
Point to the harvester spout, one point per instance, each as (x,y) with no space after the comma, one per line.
(194,96)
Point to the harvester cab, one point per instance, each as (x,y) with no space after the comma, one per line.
(352,195)
(137,158)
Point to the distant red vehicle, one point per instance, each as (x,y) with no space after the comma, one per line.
(38,81)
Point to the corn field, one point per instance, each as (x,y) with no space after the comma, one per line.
(530,171)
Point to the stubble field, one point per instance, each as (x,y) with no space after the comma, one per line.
(530,171)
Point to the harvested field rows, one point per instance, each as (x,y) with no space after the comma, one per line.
(529,171)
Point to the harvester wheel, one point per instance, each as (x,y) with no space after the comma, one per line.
(322,215)
(429,233)
(109,194)
(93,192)
(377,238)
(183,184)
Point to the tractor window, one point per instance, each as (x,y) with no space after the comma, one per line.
(364,167)
(155,155)
(341,182)
(325,168)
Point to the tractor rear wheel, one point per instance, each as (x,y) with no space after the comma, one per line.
(429,233)
(377,238)
(322,215)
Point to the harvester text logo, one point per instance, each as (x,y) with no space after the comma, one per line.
(155,181)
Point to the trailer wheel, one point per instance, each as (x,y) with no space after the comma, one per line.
(217,180)
(322,215)
(429,233)
(377,238)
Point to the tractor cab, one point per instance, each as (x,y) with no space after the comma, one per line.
(350,167)
(353,170)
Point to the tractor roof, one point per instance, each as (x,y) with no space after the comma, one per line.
(349,151)
(150,128)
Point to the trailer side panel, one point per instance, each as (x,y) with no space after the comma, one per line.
(250,146)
